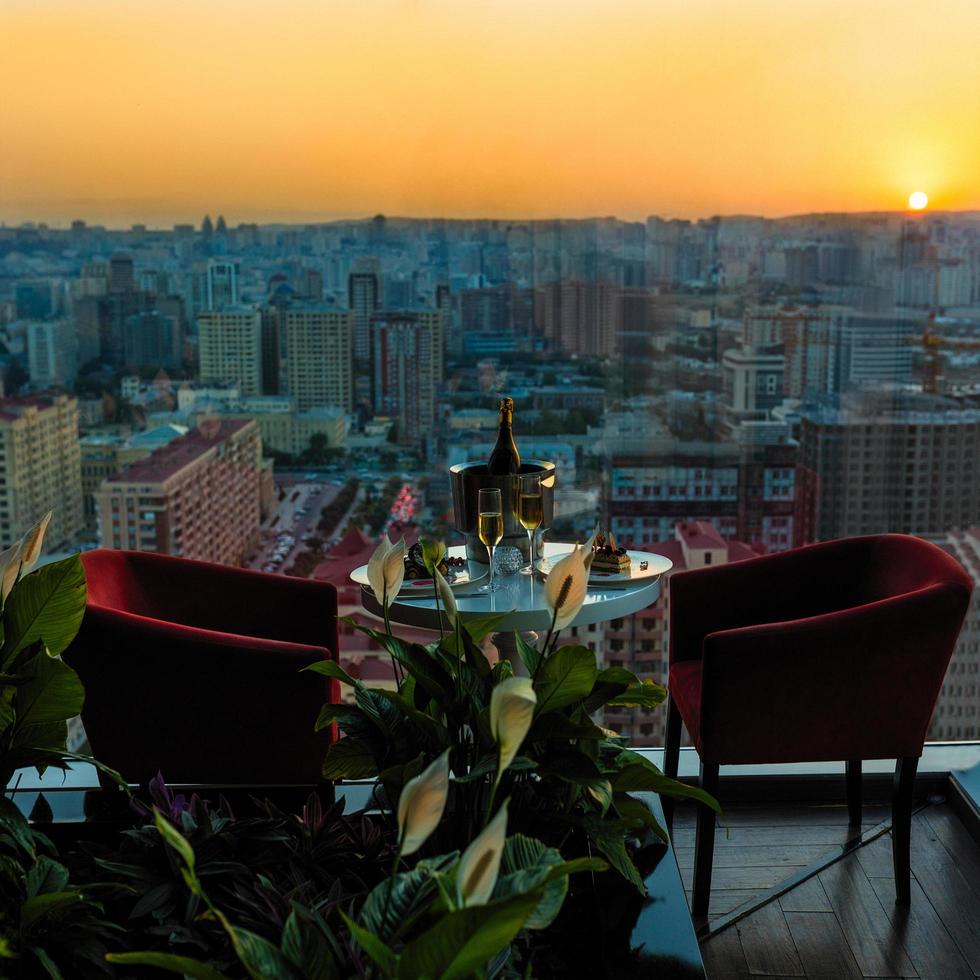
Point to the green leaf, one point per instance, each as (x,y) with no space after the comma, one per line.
(609,683)
(45,876)
(349,758)
(339,713)
(184,966)
(480,627)
(530,655)
(176,840)
(610,837)
(306,947)
(645,777)
(412,893)
(46,605)
(434,732)
(501,670)
(643,694)
(51,696)
(330,668)
(261,959)
(601,791)
(555,725)
(461,943)
(635,809)
(383,956)
(14,823)
(526,866)
(565,677)
(33,909)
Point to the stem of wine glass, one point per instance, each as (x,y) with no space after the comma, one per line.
(491,549)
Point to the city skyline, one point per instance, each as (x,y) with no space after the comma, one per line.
(301,111)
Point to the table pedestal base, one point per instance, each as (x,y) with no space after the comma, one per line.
(507,648)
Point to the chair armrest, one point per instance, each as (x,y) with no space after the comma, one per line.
(239,601)
(784,586)
(859,683)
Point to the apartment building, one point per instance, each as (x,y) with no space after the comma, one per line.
(197,497)
(40,468)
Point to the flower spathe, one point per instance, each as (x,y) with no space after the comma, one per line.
(446,597)
(386,570)
(565,588)
(512,705)
(421,805)
(479,866)
(33,542)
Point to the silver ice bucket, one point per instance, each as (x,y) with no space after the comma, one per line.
(468,479)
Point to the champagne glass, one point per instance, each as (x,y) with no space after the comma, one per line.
(530,511)
(490,527)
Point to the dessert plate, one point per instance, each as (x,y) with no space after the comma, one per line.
(656,565)
(425,586)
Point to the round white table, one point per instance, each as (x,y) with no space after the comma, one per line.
(522,598)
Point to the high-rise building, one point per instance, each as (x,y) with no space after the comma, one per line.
(214,285)
(197,497)
(752,384)
(745,489)
(364,300)
(52,353)
(230,348)
(318,357)
(122,278)
(872,466)
(957,714)
(40,468)
(408,369)
(34,299)
(151,340)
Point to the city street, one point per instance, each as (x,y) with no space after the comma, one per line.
(296,517)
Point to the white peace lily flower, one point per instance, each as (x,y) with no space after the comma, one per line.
(587,553)
(422,803)
(512,705)
(565,588)
(446,597)
(33,542)
(9,567)
(375,570)
(479,866)
(394,569)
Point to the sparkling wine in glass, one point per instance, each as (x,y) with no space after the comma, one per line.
(530,511)
(490,527)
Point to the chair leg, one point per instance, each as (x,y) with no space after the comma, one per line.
(704,844)
(853,779)
(902,828)
(672,750)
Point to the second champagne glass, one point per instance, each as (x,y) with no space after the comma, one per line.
(530,511)
(490,527)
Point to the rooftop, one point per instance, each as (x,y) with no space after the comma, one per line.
(181,452)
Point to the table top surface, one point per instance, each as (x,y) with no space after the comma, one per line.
(522,597)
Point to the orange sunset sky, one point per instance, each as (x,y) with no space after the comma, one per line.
(161,110)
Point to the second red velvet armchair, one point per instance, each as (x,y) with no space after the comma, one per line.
(835,651)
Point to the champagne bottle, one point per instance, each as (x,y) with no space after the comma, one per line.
(505,460)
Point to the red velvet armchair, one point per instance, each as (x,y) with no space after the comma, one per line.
(835,651)
(193,670)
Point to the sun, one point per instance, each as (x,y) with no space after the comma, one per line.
(918,200)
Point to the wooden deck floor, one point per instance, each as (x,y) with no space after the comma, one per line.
(843,923)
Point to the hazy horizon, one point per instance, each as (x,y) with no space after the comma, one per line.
(232,220)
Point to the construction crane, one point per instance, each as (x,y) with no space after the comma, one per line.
(933,344)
